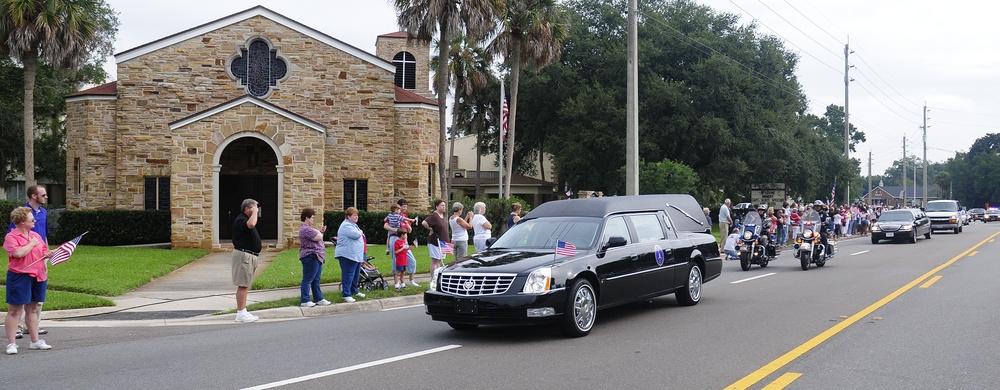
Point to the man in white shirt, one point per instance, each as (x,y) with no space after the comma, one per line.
(725,220)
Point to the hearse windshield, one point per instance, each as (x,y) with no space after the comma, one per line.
(542,233)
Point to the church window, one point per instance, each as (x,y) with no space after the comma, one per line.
(258,68)
(430,180)
(406,70)
(157,193)
(356,194)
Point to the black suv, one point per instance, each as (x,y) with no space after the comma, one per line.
(567,259)
(977,215)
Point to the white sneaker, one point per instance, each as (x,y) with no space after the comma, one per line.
(348,299)
(323,302)
(245,317)
(414,284)
(308,304)
(40,344)
(11,349)
(360,295)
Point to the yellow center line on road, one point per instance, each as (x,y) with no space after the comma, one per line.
(930,282)
(973,253)
(783,381)
(795,353)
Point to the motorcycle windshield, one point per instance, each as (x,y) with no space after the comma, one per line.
(810,216)
(752,218)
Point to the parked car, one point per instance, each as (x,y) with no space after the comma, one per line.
(992,215)
(903,224)
(567,259)
(945,215)
(977,214)
(740,210)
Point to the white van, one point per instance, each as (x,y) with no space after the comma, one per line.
(945,215)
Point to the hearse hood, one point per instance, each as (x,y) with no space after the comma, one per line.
(505,261)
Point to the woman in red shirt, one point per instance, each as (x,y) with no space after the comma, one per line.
(27,278)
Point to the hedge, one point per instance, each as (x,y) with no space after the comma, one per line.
(113,227)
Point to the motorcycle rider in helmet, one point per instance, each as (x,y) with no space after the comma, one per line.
(824,219)
(765,224)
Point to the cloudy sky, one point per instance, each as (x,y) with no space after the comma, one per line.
(906,54)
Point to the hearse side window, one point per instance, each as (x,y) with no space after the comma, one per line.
(647,227)
(616,227)
(670,227)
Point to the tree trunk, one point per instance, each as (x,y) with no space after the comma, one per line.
(30,60)
(451,153)
(515,70)
(541,159)
(442,91)
(479,164)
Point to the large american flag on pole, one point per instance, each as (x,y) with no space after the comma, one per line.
(64,251)
(564,248)
(503,121)
(447,248)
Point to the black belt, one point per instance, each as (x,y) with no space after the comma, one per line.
(250,252)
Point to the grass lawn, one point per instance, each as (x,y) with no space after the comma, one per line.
(286,269)
(95,272)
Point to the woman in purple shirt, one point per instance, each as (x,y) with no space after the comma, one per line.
(312,253)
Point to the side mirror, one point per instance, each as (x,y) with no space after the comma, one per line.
(490,241)
(614,241)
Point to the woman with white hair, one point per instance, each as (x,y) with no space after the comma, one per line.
(460,229)
(481,228)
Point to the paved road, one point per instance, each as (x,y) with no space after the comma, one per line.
(862,322)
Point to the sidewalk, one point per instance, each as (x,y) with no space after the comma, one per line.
(190,294)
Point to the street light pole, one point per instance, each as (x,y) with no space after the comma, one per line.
(632,109)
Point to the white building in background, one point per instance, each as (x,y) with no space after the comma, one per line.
(536,189)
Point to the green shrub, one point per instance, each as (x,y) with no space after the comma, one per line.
(113,227)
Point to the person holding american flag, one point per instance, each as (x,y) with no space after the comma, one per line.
(27,278)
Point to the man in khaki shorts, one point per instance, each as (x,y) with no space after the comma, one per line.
(246,249)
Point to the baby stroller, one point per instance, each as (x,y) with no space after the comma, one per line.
(370,278)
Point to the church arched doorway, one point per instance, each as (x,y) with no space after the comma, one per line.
(248,170)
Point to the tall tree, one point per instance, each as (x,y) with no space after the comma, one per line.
(469,69)
(61,33)
(531,34)
(423,19)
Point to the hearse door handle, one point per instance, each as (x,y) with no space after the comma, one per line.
(634,257)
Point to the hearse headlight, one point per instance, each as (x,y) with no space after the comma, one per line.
(538,281)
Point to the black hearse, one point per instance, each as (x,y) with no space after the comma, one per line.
(611,251)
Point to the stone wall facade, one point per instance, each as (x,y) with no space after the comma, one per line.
(364,136)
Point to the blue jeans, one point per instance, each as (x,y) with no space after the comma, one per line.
(312,269)
(349,270)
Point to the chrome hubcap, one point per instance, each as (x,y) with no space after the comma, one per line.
(694,283)
(584,308)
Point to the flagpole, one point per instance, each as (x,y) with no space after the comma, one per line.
(502,101)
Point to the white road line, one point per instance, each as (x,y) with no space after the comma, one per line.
(351,368)
(402,307)
(749,279)
(852,254)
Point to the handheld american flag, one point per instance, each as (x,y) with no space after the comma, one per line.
(64,251)
(447,248)
(564,248)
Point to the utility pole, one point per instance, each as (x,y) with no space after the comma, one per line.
(847,117)
(632,109)
(904,170)
(925,155)
(868,200)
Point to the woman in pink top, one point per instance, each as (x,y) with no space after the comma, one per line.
(27,278)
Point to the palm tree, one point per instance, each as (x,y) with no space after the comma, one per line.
(61,33)
(469,69)
(531,34)
(422,19)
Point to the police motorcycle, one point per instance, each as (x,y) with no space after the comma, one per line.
(809,247)
(754,246)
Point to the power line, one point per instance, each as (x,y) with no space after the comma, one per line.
(862,74)
(835,54)
(887,107)
(835,69)
(883,80)
(811,21)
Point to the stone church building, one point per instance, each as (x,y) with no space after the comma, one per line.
(254,105)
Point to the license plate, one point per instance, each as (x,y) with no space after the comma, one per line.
(889,234)
(466,306)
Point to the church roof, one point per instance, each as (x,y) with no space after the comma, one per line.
(397,34)
(404,96)
(244,15)
(103,90)
(248,99)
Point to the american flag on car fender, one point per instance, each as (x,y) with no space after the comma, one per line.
(564,248)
